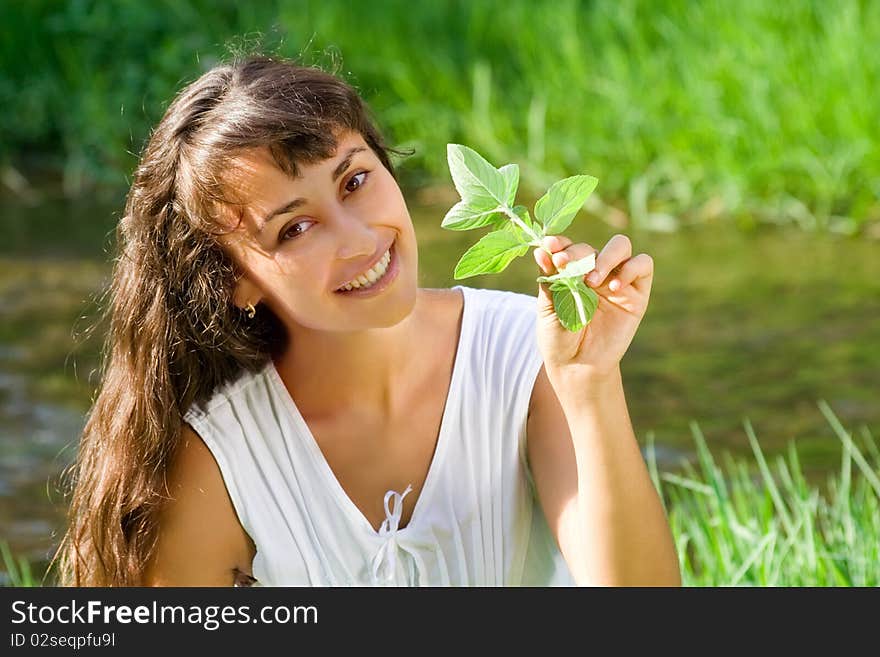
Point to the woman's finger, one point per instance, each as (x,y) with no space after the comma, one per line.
(637,271)
(572,253)
(555,243)
(617,251)
(543,261)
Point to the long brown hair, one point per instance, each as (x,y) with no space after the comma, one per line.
(174,333)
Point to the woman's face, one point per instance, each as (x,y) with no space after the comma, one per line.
(332,249)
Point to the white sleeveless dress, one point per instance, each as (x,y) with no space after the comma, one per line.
(477,521)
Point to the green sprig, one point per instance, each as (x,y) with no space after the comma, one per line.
(488,197)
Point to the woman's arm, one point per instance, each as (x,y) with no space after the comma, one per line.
(201,542)
(588,470)
(594,487)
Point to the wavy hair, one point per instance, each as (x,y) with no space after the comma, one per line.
(174,333)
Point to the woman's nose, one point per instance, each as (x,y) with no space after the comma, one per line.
(355,236)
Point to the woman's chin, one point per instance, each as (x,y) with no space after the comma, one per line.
(400,307)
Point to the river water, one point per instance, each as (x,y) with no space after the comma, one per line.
(759,325)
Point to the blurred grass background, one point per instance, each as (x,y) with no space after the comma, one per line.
(752,111)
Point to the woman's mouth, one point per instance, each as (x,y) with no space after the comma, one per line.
(376,279)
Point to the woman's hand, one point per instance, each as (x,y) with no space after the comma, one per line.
(623,284)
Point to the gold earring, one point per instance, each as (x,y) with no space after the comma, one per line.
(251,311)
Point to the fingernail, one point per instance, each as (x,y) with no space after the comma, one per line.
(593,278)
(614,284)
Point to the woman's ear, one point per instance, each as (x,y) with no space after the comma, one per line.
(246,293)
(239,246)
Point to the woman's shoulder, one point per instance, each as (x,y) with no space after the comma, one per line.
(487,299)
(514,311)
(490,321)
(445,297)
(225,394)
(497,326)
(201,541)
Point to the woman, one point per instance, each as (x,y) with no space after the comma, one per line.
(282,403)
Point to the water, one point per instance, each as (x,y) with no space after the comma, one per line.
(759,326)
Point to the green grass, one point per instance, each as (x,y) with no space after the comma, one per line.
(752,523)
(684,111)
(17,569)
(735,526)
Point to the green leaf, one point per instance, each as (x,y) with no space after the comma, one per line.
(490,255)
(510,172)
(464,216)
(566,295)
(556,209)
(576,269)
(477,182)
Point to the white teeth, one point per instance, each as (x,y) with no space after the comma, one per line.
(371,275)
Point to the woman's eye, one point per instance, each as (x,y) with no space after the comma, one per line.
(295,230)
(355,181)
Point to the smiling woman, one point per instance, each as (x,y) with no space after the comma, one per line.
(342,224)
(282,404)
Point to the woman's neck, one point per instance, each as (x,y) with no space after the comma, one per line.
(369,370)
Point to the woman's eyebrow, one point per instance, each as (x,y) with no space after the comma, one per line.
(295,203)
(284,209)
(339,170)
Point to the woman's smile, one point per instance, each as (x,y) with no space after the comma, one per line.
(376,279)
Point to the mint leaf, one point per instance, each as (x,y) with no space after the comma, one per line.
(558,207)
(477,182)
(464,216)
(573,302)
(491,254)
(576,269)
(510,172)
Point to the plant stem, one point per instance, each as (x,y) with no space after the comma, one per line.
(536,239)
(582,313)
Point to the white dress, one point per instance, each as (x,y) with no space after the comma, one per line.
(477,521)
